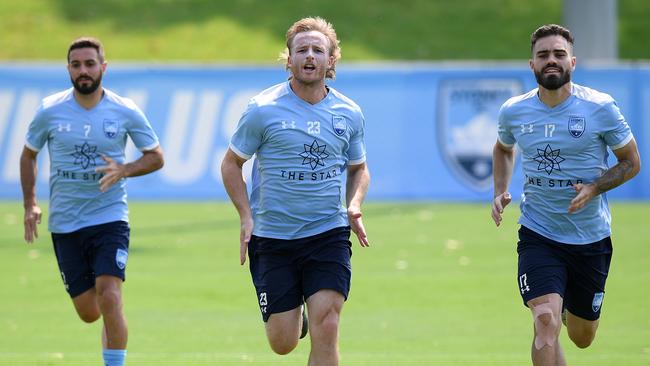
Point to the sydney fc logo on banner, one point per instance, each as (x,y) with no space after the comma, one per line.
(110,128)
(577,126)
(339,125)
(467,125)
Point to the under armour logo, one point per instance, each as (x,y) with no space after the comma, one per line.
(65,127)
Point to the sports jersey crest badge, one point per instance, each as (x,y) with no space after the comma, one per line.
(577,126)
(339,125)
(598,301)
(121,257)
(110,128)
(466,126)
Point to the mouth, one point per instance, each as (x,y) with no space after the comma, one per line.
(309,67)
(552,70)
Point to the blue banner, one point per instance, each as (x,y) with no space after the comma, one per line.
(430,128)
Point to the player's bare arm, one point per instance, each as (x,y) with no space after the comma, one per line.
(233,180)
(150,161)
(357,185)
(503,158)
(629,165)
(28,170)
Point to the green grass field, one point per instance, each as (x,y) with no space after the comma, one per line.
(252,31)
(436,287)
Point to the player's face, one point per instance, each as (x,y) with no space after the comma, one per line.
(552,62)
(309,57)
(85,70)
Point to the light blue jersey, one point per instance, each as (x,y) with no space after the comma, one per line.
(76,140)
(302,151)
(561,147)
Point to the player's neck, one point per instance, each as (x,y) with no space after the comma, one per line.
(89,101)
(554,97)
(311,93)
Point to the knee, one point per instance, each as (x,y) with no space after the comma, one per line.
(110,298)
(547,326)
(88,315)
(328,325)
(582,339)
(283,345)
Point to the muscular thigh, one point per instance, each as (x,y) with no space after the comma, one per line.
(588,271)
(90,252)
(542,269)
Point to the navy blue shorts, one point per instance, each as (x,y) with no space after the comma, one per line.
(576,272)
(286,272)
(90,252)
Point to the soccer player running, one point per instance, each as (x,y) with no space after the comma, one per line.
(86,128)
(306,137)
(563,131)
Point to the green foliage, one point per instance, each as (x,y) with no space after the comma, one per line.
(437,287)
(253,30)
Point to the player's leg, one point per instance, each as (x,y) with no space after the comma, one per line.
(283,330)
(581,331)
(324,314)
(86,306)
(110,243)
(546,349)
(326,283)
(279,296)
(589,268)
(542,277)
(109,298)
(77,274)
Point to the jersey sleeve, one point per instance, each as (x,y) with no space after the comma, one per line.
(141,132)
(357,150)
(249,132)
(37,132)
(616,131)
(504,134)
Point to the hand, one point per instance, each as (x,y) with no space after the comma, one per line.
(356,223)
(498,205)
(31,220)
(113,172)
(585,193)
(245,238)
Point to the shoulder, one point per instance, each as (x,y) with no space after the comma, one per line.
(120,101)
(271,96)
(592,95)
(345,100)
(54,100)
(518,101)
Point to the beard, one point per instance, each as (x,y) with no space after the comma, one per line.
(553,82)
(86,89)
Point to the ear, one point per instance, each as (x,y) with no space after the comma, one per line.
(289,62)
(573,63)
(530,63)
(330,62)
(104,64)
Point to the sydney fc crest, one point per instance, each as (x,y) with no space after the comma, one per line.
(121,257)
(339,125)
(467,125)
(110,128)
(577,126)
(598,301)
